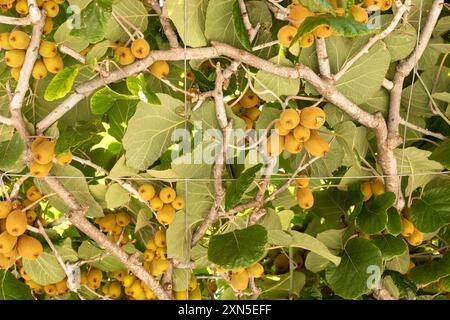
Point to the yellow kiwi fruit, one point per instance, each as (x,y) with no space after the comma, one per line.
(359,14)
(302,181)
(366,190)
(160,69)
(166,214)
(249,100)
(298,14)
(289,119)
(248,122)
(305,198)
(252,113)
(4,41)
(286,34)
(316,145)
(16,223)
(323,31)
(48,26)
(301,133)
(140,48)
(312,117)
(54,64)
(5,208)
(7,242)
(146,191)
(239,280)
(40,170)
(307,40)
(280,130)
(19,40)
(156,203)
(108,222)
(14,58)
(125,55)
(22,7)
(407,228)
(256,270)
(64,158)
(416,238)
(43,152)
(167,195)
(178,203)
(377,187)
(275,145)
(123,219)
(39,70)
(51,8)
(15,73)
(33,194)
(47,49)
(160,238)
(291,144)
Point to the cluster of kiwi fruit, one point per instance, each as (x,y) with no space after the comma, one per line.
(296,129)
(16,42)
(43,152)
(164,204)
(139,49)
(247,108)
(298,13)
(239,277)
(52,289)
(114,224)
(15,216)
(409,230)
(51,8)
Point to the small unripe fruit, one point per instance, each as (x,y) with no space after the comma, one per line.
(16,223)
(323,31)
(14,58)
(5,208)
(126,57)
(359,14)
(305,198)
(40,170)
(286,34)
(140,48)
(166,214)
(366,190)
(167,195)
(47,49)
(19,40)
(377,187)
(256,270)
(312,117)
(407,228)
(302,181)
(249,100)
(316,145)
(307,40)
(291,144)
(4,41)
(28,247)
(51,8)
(239,281)
(39,70)
(65,158)
(54,64)
(160,69)
(289,119)
(301,133)
(146,191)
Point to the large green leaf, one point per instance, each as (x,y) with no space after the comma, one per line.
(354,140)
(301,240)
(134,11)
(239,248)
(13,289)
(139,87)
(93,18)
(351,278)
(415,162)
(432,211)
(285,286)
(11,152)
(323,6)
(238,187)
(390,246)
(44,270)
(431,271)
(278,85)
(109,263)
(440,154)
(401,42)
(194,20)
(145,143)
(61,83)
(373,217)
(75,182)
(105,98)
(116,196)
(63,36)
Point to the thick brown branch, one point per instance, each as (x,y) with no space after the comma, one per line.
(322,58)
(165,23)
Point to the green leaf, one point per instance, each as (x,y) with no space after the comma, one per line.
(44,270)
(394,224)
(350,279)
(416,163)
(373,217)
(401,42)
(323,6)
(62,83)
(443,96)
(108,264)
(301,240)
(432,211)
(399,263)
(343,26)
(284,286)
(354,140)
(13,289)
(138,86)
(442,26)
(390,246)
(94,18)
(76,184)
(239,27)
(116,196)
(194,19)
(98,51)
(142,219)
(66,251)
(134,11)
(238,187)
(440,154)
(11,152)
(431,271)
(144,144)
(279,85)
(266,117)
(63,36)
(120,169)
(104,99)
(239,248)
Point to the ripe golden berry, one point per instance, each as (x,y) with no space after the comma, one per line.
(366,190)
(43,152)
(307,40)
(48,26)
(275,145)
(147,191)
(47,49)
(40,170)
(22,7)
(14,58)
(291,144)
(377,187)
(160,69)
(359,14)
(316,145)
(5,208)
(65,158)
(289,119)
(323,31)
(33,193)
(239,280)
(167,195)
(166,214)
(280,130)
(125,55)
(305,198)
(312,117)
(19,40)
(298,14)
(301,133)
(140,48)
(54,64)
(51,8)
(248,122)
(16,223)
(156,203)
(4,41)
(286,34)
(302,181)
(407,228)
(249,100)
(28,247)
(160,238)
(252,113)
(39,70)
(7,242)
(256,270)
(178,203)
(416,238)
(123,219)
(386,5)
